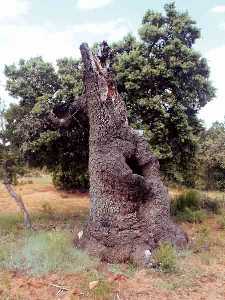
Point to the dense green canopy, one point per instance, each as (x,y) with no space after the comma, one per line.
(162,79)
(211,157)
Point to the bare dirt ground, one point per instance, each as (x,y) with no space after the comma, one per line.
(39,191)
(200,274)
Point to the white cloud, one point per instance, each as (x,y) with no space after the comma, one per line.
(215,110)
(25,41)
(111,30)
(14,8)
(92,4)
(218,9)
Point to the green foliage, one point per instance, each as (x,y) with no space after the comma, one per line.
(127,270)
(162,79)
(214,205)
(202,241)
(36,78)
(189,199)
(165,82)
(166,257)
(212,157)
(102,291)
(191,205)
(63,151)
(47,209)
(187,207)
(191,216)
(76,178)
(9,223)
(4,255)
(221,221)
(45,252)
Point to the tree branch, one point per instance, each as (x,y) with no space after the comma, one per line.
(7,181)
(79,105)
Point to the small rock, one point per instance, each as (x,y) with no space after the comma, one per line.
(93,284)
(80,234)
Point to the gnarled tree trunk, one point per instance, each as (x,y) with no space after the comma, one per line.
(129,204)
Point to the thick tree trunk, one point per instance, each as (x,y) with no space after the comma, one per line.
(129,204)
(7,181)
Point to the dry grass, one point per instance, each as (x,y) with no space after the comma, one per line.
(40,192)
(199,274)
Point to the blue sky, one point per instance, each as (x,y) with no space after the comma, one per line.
(55,28)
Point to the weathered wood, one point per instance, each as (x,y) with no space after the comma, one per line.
(7,181)
(130,211)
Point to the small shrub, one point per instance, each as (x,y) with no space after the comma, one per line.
(202,241)
(213,205)
(47,209)
(44,252)
(3,255)
(191,216)
(190,199)
(127,270)
(166,257)
(71,178)
(206,258)
(102,291)
(10,223)
(221,221)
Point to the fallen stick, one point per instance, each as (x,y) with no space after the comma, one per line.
(63,288)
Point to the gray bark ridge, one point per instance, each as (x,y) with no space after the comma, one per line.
(130,211)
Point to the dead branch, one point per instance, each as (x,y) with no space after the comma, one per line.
(7,181)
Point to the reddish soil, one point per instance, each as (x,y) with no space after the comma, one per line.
(201,276)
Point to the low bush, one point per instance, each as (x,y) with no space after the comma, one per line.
(202,241)
(3,254)
(47,209)
(71,179)
(191,216)
(190,199)
(10,223)
(221,221)
(165,257)
(214,205)
(187,207)
(44,252)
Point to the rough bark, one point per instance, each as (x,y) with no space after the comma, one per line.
(130,210)
(7,181)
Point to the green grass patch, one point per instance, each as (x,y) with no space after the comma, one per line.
(202,241)
(10,223)
(103,289)
(165,256)
(44,252)
(189,199)
(188,207)
(191,216)
(221,221)
(214,205)
(127,270)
